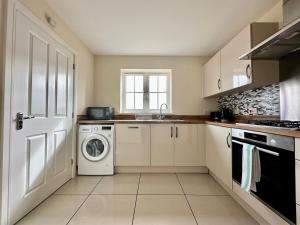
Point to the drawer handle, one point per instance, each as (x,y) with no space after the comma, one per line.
(171,132)
(176,132)
(133,127)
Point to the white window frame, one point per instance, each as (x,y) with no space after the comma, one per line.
(146,73)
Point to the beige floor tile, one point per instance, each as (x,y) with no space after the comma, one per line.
(200,184)
(163,210)
(159,184)
(118,184)
(79,185)
(219,210)
(106,210)
(58,210)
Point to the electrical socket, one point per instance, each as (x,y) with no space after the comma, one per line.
(253,111)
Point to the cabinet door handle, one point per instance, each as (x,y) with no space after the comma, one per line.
(133,127)
(227,140)
(248,71)
(171,132)
(176,132)
(219,84)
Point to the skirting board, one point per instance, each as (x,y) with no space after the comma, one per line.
(161,169)
(268,217)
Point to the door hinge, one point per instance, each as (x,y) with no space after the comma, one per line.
(73,66)
(72,161)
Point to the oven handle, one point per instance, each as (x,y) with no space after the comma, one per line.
(259,149)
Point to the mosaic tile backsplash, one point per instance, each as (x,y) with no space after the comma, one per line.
(266,100)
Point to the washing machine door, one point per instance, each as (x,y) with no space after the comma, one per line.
(95,147)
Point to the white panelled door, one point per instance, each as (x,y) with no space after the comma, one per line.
(40,155)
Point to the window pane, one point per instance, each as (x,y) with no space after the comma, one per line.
(162,98)
(162,84)
(153,101)
(153,83)
(129,101)
(139,84)
(129,82)
(139,99)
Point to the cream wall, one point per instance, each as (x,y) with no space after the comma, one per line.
(273,15)
(85,59)
(186,81)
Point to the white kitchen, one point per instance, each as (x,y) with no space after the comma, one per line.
(140,112)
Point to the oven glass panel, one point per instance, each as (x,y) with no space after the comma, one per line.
(277,185)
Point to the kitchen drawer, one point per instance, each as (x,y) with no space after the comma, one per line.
(297,148)
(132,145)
(297,165)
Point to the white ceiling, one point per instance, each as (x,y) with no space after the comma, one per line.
(158,27)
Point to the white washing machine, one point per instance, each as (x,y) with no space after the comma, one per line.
(96,150)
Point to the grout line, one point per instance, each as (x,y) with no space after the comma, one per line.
(207,195)
(187,199)
(137,193)
(84,201)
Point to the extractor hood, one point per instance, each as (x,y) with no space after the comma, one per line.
(285,41)
(282,43)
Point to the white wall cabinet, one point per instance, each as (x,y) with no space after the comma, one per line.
(218,152)
(234,73)
(177,145)
(212,76)
(132,145)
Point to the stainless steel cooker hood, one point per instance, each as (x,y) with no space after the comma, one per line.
(285,41)
(282,43)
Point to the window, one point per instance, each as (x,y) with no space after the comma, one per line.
(145,90)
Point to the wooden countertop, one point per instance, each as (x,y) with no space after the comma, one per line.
(264,129)
(184,121)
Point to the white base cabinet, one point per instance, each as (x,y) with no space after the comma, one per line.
(187,151)
(177,145)
(218,153)
(162,144)
(298,215)
(297,165)
(132,145)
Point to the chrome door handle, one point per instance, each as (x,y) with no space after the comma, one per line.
(248,74)
(20,119)
(227,140)
(219,84)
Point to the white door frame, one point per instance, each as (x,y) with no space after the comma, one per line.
(10,8)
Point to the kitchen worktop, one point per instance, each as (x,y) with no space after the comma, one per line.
(272,130)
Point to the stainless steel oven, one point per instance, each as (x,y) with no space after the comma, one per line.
(277,157)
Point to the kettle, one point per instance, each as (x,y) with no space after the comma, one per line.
(226,115)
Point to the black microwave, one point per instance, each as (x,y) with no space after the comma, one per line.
(100,113)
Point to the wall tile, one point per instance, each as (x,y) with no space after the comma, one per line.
(266,100)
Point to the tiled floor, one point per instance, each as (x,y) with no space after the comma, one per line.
(140,199)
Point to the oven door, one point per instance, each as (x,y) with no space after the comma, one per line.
(277,186)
